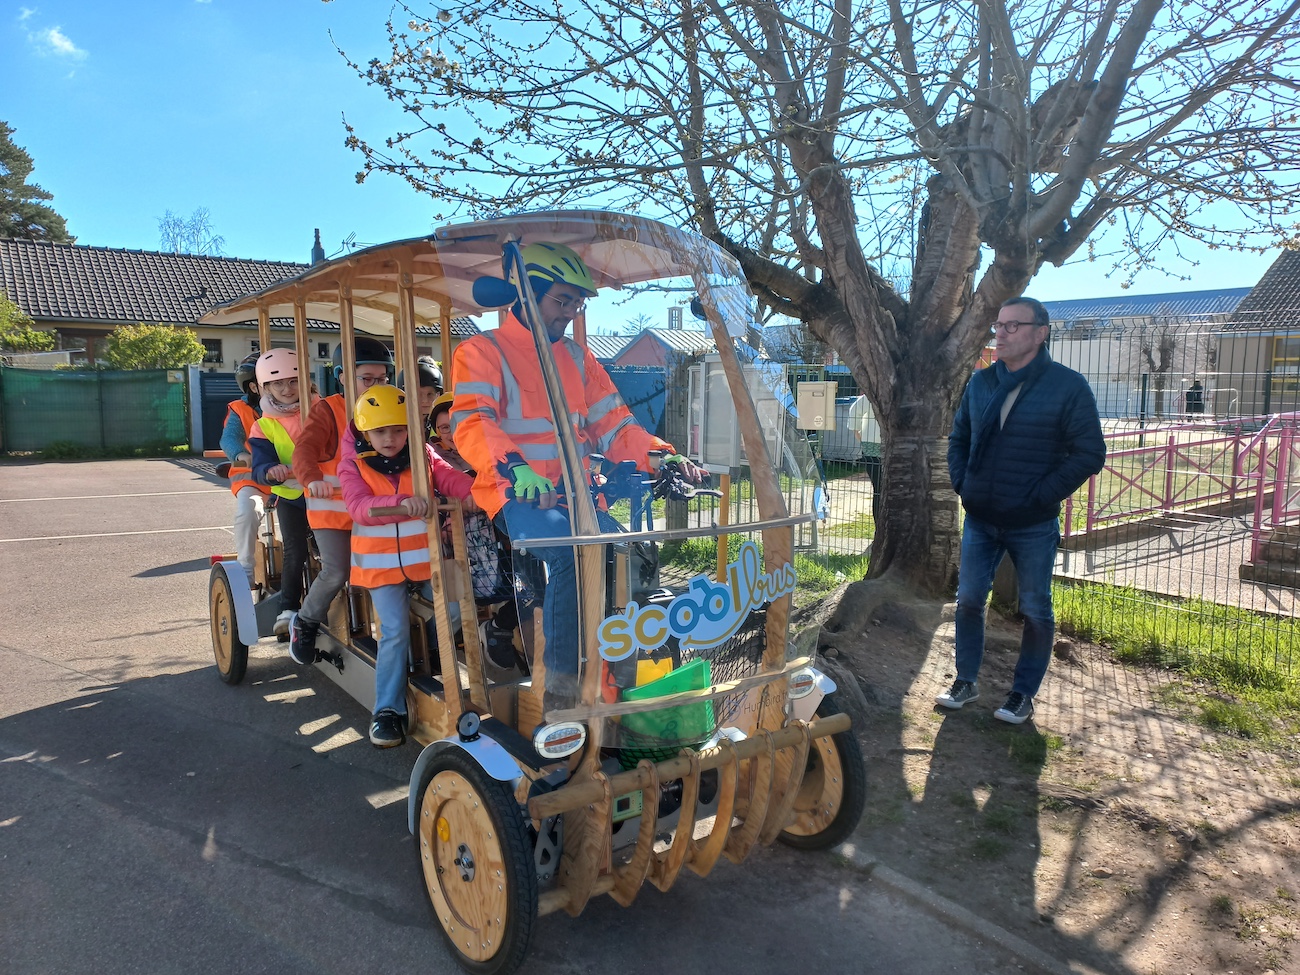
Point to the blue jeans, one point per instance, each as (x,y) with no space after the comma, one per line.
(1033,552)
(393,658)
(521,520)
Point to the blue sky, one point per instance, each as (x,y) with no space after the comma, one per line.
(130,109)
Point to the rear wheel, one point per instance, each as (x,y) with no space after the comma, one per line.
(477,865)
(833,793)
(231,654)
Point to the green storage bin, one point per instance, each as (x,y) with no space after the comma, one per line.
(659,735)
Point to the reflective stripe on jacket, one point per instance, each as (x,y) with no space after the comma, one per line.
(283,444)
(385,555)
(500,408)
(242,477)
(331,512)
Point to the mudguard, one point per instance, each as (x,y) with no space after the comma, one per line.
(490,756)
(805,708)
(241,600)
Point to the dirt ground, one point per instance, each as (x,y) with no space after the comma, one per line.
(1111,830)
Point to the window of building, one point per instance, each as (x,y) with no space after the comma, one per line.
(322,350)
(212,350)
(255,345)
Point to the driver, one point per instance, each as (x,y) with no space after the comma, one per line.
(502,426)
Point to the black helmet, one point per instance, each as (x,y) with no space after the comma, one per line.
(430,373)
(246,372)
(370,352)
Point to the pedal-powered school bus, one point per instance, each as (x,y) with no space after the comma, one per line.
(697,733)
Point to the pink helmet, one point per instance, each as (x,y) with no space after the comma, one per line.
(277,364)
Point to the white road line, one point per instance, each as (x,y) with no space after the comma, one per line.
(156,531)
(102,497)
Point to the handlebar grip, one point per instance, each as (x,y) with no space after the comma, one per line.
(385,510)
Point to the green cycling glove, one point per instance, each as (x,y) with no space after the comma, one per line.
(675,459)
(528,484)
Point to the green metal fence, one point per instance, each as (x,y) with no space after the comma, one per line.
(96,409)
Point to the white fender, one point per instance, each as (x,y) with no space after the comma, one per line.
(805,708)
(241,601)
(490,756)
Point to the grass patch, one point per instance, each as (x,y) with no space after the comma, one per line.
(67,450)
(814,573)
(1249,662)
(861,525)
(1221,904)
(1001,820)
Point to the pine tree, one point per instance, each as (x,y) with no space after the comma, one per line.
(22,212)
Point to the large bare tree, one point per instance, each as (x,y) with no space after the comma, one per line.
(886,173)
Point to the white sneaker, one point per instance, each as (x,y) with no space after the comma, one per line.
(282,624)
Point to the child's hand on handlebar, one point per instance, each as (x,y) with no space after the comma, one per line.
(279,474)
(415,507)
(319,489)
(532,487)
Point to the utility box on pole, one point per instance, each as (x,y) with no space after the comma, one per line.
(815,402)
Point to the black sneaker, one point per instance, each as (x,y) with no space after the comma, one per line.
(961,692)
(1018,709)
(500,645)
(302,640)
(561,692)
(387,729)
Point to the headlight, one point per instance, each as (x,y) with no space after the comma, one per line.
(802,683)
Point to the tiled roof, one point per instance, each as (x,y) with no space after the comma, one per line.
(75,283)
(1273,303)
(1177,305)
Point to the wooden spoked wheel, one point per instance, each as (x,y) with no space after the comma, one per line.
(231,654)
(477,865)
(833,793)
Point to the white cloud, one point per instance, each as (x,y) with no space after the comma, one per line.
(24,13)
(52,40)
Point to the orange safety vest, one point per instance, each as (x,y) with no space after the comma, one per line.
(242,477)
(385,555)
(332,512)
(500,408)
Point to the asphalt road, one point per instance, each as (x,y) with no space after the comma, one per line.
(154,820)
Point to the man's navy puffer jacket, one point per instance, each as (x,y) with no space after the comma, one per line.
(1050,444)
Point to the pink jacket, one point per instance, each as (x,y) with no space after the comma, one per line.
(447,481)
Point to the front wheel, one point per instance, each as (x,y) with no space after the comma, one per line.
(477,865)
(231,654)
(833,793)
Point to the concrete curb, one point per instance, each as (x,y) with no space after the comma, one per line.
(955,914)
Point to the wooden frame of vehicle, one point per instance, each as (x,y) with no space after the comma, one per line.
(491,813)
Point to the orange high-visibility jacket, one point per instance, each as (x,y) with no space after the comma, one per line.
(385,555)
(329,512)
(242,477)
(500,408)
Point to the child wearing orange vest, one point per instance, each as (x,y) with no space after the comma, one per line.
(390,553)
(272,441)
(315,465)
(250,497)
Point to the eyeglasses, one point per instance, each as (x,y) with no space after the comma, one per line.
(369,381)
(1011,328)
(570,306)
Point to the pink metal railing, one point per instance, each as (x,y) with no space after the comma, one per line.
(1192,465)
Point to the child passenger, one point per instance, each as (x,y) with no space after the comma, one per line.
(390,553)
(250,497)
(272,441)
(315,464)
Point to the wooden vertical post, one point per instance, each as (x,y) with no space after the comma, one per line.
(724,519)
(304,359)
(263,329)
(444,328)
(347,335)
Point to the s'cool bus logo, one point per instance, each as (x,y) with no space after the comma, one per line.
(703,616)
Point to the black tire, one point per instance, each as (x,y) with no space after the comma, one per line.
(231,654)
(487,919)
(833,794)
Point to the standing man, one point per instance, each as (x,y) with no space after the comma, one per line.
(501,423)
(1026,435)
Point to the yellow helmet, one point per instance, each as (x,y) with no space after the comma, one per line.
(556,263)
(380,406)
